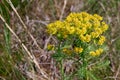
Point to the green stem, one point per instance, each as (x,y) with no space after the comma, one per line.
(85,66)
(62,70)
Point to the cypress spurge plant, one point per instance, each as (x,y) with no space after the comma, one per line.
(80,38)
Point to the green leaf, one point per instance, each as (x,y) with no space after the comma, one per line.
(58,56)
(82,72)
(91,76)
(104,47)
(4,11)
(102,64)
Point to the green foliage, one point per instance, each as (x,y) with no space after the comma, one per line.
(102,64)
(4,11)
(82,72)
(59,55)
(7,66)
(91,76)
(117,44)
(7,60)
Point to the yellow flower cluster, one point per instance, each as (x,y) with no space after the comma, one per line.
(97,52)
(83,26)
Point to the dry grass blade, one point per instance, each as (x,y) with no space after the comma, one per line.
(25,27)
(65,2)
(117,72)
(32,57)
(47,41)
(2,78)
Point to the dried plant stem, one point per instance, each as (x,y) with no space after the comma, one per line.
(2,78)
(25,27)
(117,73)
(63,9)
(32,57)
(47,41)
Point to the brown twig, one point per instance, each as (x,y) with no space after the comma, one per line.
(63,9)
(117,73)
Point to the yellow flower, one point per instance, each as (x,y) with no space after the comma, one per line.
(96,53)
(50,47)
(71,30)
(78,49)
(67,51)
(98,17)
(88,25)
(65,36)
(83,38)
(98,30)
(84,30)
(87,38)
(78,31)
(69,19)
(92,53)
(101,40)
(95,34)
(96,23)
(104,27)
(84,14)
(86,19)
(99,51)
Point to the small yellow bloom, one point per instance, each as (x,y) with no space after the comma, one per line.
(96,24)
(88,25)
(50,47)
(83,38)
(99,51)
(84,14)
(65,36)
(78,49)
(86,19)
(69,19)
(104,27)
(67,51)
(98,17)
(98,30)
(96,53)
(71,30)
(92,53)
(88,38)
(84,30)
(95,34)
(101,40)
(78,31)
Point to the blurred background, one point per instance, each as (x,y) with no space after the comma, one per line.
(15,64)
